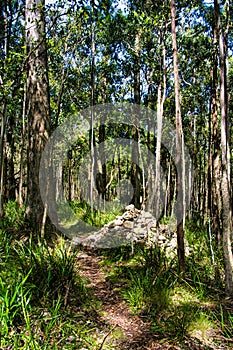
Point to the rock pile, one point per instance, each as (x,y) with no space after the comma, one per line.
(131,227)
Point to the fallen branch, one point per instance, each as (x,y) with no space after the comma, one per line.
(102,344)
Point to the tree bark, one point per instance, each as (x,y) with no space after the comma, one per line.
(214,152)
(226,192)
(37,106)
(160,106)
(135,174)
(92,135)
(179,146)
(22,152)
(5,45)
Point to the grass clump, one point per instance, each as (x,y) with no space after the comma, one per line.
(52,269)
(201,327)
(14,216)
(44,303)
(150,280)
(96,217)
(186,310)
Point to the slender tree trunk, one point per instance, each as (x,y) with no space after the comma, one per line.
(160,105)
(64,75)
(215,206)
(2,144)
(179,147)
(135,174)
(167,199)
(5,45)
(11,185)
(71,176)
(21,168)
(92,141)
(147,200)
(226,197)
(37,106)
(101,163)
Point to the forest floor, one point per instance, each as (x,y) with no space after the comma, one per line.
(126,330)
(54,295)
(136,332)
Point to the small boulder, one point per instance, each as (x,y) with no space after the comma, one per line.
(111,224)
(130,207)
(128,224)
(114,223)
(162,238)
(128,215)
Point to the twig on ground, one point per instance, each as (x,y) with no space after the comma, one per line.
(111,330)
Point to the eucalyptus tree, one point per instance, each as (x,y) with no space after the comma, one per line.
(179,145)
(12,65)
(193,36)
(38,106)
(68,37)
(225,181)
(4,55)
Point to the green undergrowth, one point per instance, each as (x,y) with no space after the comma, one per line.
(94,217)
(46,304)
(189,310)
(44,301)
(76,212)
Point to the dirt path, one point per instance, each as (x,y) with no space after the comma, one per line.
(136,331)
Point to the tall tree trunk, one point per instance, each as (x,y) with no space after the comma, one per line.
(5,44)
(37,106)
(160,106)
(101,163)
(179,146)
(226,193)
(2,146)
(92,141)
(135,174)
(11,186)
(215,201)
(21,167)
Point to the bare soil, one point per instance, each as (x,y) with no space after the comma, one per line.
(115,312)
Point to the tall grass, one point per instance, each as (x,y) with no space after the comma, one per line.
(14,217)
(38,284)
(44,303)
(150,281)
(11,294)
(52,269)
(96,217)
(184,309)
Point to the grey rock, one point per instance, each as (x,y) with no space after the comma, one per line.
(133,226)
(114,223)
(137,230)
(128,216)
(162,238)
(173,243)
(111,224)
(118,222)
(116,228)
(130,207)
(128,224)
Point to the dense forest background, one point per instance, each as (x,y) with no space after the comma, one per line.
(173,59)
